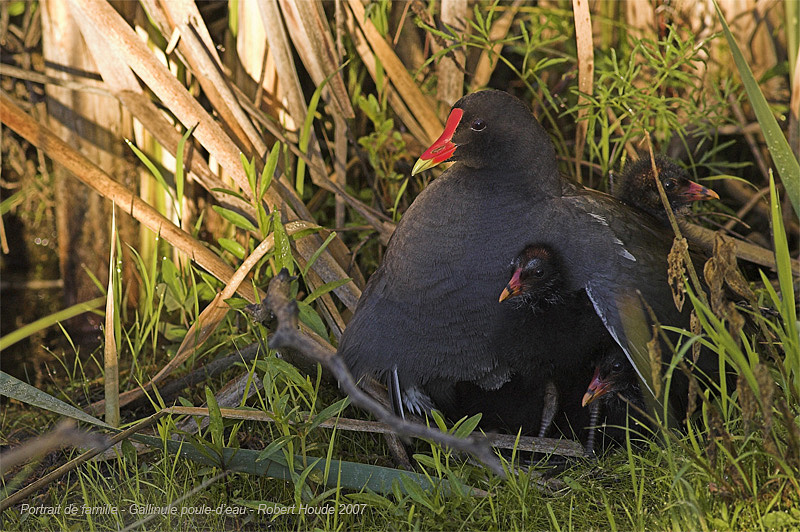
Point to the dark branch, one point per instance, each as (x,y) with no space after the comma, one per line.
(288,335)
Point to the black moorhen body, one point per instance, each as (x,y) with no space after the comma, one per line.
(429,321)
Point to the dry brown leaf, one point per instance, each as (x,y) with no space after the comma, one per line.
(88,173)
(654,352)
(583,37)
(311,35)
(396,72)
(676,271)
(450,70)
(122,40)
(110,358)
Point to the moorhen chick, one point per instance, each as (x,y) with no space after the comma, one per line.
(613,383)
(636,186)
(537,283)
(428,318)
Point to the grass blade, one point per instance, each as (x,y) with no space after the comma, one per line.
(782,155)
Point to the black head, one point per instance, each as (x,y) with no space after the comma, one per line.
(537,278)
(494,129)
(636,186)
(613,376)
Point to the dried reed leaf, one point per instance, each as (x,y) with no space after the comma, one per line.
(705,238)
(488,59)
(766,388)
(654,353)
(141,107)
(450,70)
(91,175)
(715,280)
(725,252)
(395,100)
(311,35)
(184,106)
(110,358)
(691,403)
(122,40)
(396,72)
(583,37)
(747,402)
(676,271)
(199,52)
(697,329)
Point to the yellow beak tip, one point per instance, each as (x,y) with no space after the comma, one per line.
(422,165)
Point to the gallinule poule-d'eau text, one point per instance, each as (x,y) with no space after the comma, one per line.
(429,318)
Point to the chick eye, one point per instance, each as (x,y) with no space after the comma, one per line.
(538,272)
(670,184)
(478,125)
(617,367)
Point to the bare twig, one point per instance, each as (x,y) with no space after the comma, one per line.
(72,464)
(65,434)
(288,335)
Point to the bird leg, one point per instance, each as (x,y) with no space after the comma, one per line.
(550,408)
(594,417)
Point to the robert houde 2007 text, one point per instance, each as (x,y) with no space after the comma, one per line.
(222,509)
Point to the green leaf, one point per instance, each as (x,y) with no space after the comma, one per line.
(25,393)
(229,193)
(283,248)
(15,9)
(172,278)
(232,246)
(153,170)
(351,475)
(274,447)
(785,281)
(782,155)
(467,427)
(235,218)
(309,316)
(327,287)
(269,169)
(318,252)
(332,410)
(305,137)
(216,425)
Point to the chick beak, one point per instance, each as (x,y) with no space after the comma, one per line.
(597,388)
(696,192)
(514,286)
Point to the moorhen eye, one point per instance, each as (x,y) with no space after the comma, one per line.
(538,272)
(670,184)
(617,367)
(478,125)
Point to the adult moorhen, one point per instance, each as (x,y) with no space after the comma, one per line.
(429,318)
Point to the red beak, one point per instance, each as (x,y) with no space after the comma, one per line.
(514,286)
(597,388)
(696,192)
(443,148)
